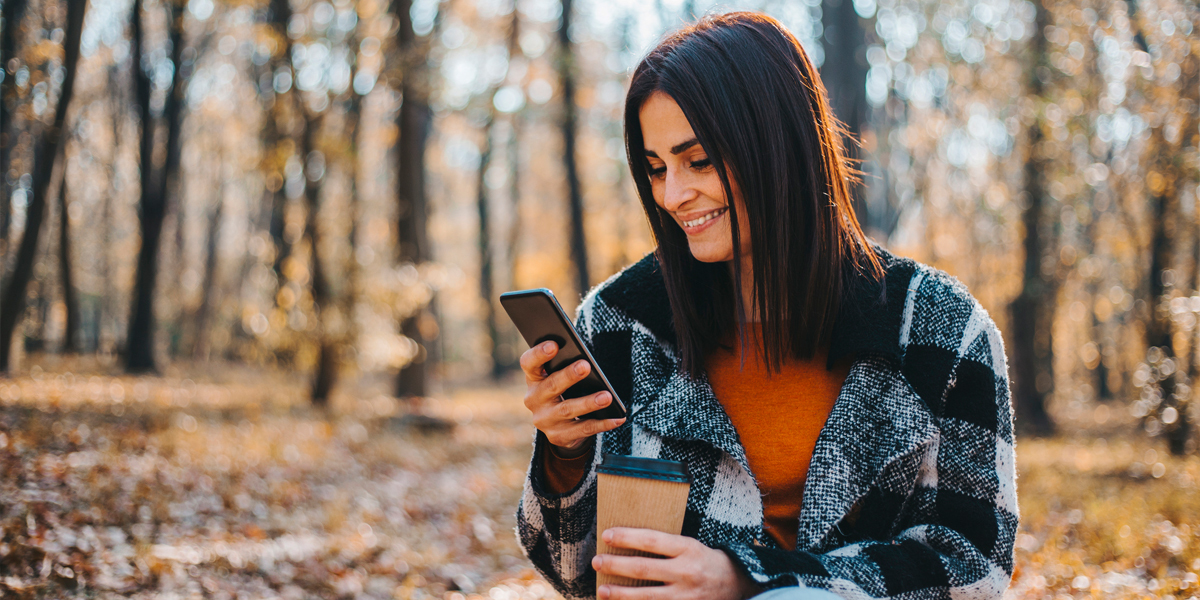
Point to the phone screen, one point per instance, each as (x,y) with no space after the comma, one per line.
(539,318)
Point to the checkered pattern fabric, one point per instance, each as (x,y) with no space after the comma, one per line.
(911,491)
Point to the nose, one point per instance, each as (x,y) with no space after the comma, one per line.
(679,190)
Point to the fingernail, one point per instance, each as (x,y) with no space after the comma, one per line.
(602,399)
(596,562)
(579,368)
(548,346)
(606,536)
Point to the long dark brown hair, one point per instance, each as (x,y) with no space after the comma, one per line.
(759,110)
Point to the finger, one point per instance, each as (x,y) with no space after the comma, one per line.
(581,431)
(635,567)
(588,427)
(620,592)
(571,433)
(647,540)
(533,359)
(577,407)
(559,381)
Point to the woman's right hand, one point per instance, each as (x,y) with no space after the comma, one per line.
(555,417)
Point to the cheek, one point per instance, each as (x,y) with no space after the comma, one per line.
(713,187)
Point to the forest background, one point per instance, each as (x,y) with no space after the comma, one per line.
(250,253)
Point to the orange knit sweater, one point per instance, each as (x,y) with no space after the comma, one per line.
(758,402)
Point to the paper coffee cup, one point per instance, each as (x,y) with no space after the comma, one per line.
(646,493)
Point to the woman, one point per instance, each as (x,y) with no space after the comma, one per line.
(844,414)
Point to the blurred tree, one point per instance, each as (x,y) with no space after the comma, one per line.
(1191,72)
(1096,353)
(414,121)
(486,256)
(200,347)
(11,13)
(322,293)
(1032,311)
(159,179)
(71,331)
(566,75)
(1170,145)
(108,334)
(352,162)
(516,120)
(844,74)
(276,89)
(486,287)
(13,292)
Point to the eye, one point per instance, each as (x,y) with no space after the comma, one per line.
(701,164)
(656,173)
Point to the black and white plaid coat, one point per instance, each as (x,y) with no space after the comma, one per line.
(911,490)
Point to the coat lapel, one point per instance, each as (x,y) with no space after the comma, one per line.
(686,409)
(877,421)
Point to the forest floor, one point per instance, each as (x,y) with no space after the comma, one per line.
(232,486)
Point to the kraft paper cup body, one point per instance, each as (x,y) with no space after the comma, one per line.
(638,492)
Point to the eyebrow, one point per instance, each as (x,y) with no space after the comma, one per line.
(677,148)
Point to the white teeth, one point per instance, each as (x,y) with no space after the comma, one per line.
(704,219)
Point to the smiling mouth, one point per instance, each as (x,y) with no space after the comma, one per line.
(705,218)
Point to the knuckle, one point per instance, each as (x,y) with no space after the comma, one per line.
(563,410)
(640,570)
(557,382)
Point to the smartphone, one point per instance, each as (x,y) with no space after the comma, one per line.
(539,318)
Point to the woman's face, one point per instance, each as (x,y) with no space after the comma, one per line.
(686,185)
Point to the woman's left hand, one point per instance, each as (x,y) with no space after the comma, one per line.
(689,570)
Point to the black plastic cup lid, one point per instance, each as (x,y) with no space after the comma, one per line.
(646,468)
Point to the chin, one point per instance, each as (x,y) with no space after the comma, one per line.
(703,253)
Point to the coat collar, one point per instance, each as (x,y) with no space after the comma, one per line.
(869,320)
(868,323)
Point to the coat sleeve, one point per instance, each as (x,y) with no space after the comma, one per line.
(558,531)
(955,537)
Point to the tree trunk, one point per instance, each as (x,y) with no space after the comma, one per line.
(1179,433)
(327,361)
(1166,165)
(414,120)
(844,74)
(107,320)
(70,299)
(12,297)
(1033,310)
(277,132)
(352,291)
(508,358)
(566,73)
(1160,329)
(12,12)
(139,356)
(514,191)
(208,293)
(486,289)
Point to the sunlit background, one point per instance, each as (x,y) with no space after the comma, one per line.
(217,215)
